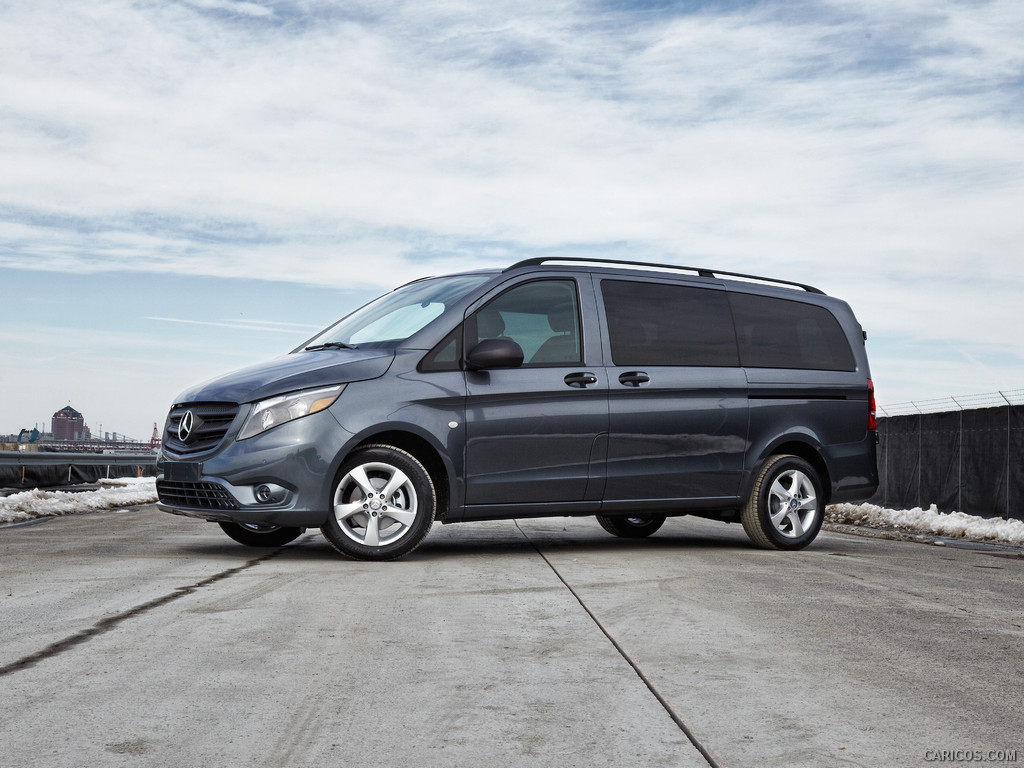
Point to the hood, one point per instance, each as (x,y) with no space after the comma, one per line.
(289,373)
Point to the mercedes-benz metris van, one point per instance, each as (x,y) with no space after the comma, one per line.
(632,392)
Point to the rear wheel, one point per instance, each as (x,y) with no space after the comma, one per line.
(258,535)
(786,506)
(634,527)
(382,505)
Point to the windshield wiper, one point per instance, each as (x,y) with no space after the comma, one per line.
(329,345)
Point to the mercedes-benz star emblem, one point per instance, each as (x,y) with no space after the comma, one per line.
(185,426)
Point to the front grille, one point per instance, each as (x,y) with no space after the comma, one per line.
(175,493)
(210,423)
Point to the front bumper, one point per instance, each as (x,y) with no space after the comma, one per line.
(284,518)
(281,477)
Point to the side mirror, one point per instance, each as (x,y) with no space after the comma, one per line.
(494,353)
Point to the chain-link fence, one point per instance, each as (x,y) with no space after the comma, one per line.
(964,458)
(958,403)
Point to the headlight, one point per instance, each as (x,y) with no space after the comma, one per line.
(279,410)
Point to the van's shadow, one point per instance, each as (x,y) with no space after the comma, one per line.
(468,540)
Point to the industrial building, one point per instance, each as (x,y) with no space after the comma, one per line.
(69,424)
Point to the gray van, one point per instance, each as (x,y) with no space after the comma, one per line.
(632,392)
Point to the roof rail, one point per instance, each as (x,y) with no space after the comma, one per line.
(701,271)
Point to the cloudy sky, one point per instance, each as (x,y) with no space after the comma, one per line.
(188,187)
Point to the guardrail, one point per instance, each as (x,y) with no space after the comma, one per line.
(40,469)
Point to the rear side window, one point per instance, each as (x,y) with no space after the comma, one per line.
(657,324)
(776,333)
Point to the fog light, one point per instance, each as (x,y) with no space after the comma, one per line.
(268,493)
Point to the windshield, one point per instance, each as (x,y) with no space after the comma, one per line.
(395,316)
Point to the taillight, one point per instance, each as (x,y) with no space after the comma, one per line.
(872,417)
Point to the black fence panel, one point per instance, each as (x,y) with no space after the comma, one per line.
(985,462)
(967,461)
(1015,475)
(10,476)
(44,475)
(46,470)
(940,461)
(900,461)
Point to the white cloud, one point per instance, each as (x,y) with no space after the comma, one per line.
(263,326)
(232,6)
(875,148)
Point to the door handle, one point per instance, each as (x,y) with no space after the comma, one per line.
(580,380)
(633,378)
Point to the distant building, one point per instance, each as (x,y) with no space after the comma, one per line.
(69,424)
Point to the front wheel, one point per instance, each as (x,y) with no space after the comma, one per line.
(382,505)
(635,527)
(786,508)
(258,535)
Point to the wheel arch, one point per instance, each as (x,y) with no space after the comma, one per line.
(424,451)
(800,446)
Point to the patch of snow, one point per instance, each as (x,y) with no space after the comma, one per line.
(954,525)
(133,491)
(121,492)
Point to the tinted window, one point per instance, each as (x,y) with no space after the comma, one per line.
(542,317)
(775,333)
(655,324)
(445,356)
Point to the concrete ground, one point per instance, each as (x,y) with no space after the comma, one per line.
(140,638)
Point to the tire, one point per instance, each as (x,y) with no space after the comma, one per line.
(634,527)
(786,505)
(382,504)
(257,535)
